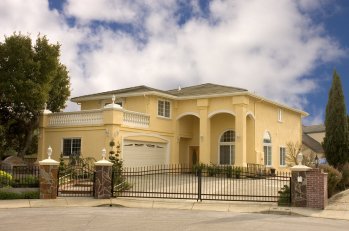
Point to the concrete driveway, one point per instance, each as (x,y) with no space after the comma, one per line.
(339,201)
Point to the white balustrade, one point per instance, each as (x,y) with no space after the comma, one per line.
(95,117)
(136,119)
(63,119)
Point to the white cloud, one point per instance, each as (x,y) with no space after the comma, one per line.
(264,46)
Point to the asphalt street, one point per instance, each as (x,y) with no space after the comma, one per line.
(121,218)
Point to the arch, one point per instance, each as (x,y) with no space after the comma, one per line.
(250,114)
(188,113)
(226,146)
(211,114)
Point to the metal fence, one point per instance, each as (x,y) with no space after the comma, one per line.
(76,181)
(202,183)
(19,176)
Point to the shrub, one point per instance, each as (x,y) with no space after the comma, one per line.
(30,195)
(344,183)
(284,196)
(5,179)
(229,171)
(333,178)
(237,172)
(212,170)
(4,195)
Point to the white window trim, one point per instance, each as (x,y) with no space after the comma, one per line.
(271,149)
(284,147)
(225,143)
(271,156)
(157,109)
(280,114)
(62,145)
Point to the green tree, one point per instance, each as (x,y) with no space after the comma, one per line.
(336,141)
(30,76)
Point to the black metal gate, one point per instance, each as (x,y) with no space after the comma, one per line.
(76,181)
(203,183)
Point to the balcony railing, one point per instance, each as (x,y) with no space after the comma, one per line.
(136,119)
(94,117)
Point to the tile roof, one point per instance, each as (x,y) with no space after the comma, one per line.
(204,89)
(314,128)
(312,143)
(197,90)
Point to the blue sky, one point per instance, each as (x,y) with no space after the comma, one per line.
(285,50)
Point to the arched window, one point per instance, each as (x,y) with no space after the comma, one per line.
(227,148)
(267,149)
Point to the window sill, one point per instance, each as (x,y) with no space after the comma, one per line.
(163,117)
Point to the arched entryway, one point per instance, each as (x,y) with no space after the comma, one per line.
(223,138)
(188,139)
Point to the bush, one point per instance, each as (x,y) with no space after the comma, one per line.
(237,172)
(284,196)
(15,195)
(5,179)
(333,178)
(229,171)
(344,183)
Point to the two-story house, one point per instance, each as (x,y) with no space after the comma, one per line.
(205,123)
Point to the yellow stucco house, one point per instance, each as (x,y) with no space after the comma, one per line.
(205,123)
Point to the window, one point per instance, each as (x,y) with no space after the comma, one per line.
(280,115)
(282,156)
(164,108)
(267,149)
(71,146)
(227,148)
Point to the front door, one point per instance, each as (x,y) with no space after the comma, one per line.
(193,156)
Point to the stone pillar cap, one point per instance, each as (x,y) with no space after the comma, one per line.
(103,163)
(48,162)
(300,168)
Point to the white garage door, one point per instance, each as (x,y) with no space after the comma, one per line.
(139,154)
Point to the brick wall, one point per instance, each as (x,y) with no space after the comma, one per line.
(316,189)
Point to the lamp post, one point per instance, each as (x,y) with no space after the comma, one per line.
(316,160)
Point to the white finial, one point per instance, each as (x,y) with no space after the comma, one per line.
(299,158)
(113,99)
(104,152)
(179,88)
(45,106)
(49,152)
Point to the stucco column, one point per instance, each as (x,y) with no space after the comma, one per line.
(48,177)
(240,104)
(43,122)
(205,132)
(103,179)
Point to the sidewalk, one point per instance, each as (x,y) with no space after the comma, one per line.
(332,211)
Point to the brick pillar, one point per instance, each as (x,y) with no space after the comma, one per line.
(308,187)
(316,189)
(103,179)
(48,179)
